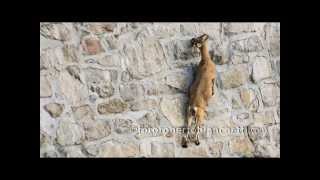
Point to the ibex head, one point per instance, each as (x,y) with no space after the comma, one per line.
(198,42)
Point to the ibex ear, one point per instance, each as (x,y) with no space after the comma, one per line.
(193,41)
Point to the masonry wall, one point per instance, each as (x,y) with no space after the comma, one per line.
(101,82)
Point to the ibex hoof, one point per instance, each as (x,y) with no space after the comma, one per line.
(184,143)
(197,143)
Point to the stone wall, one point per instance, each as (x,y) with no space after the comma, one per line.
(101,82)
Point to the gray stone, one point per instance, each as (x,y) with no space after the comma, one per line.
(82,112)
(113,42)
(72,89)
(268,145)
(273,37)
(144,59)
(123,126)
(48,150)
(114,75)
(149,120)
(112,106)
(110,60)
(156,88)
(269,93)
(180,79)
(274,132)
(249,99)
(95,76)
(50,30)
(160,149)
(125,76)
(93,98)
(236,104)
(100,28)
(54,109)
(215,149)
(263,117)
(132,91)
(71,53)
(239,58)
(251,44)
(99,81)
(94,128)
(45,87)
(49,43)
(105,91)
(74,152)
(241,146)
(234,77)
(218,107)
(242,119)
(74,71)
(118,149)
(193,151)
(144,104)
(261,69)
(179,50)
(174,110)
(237,28)
(59,31)
(52,58)
(69,133)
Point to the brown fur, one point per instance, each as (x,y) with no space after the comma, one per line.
(202,89)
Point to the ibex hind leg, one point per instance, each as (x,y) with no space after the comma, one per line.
(197,141)
(186,137)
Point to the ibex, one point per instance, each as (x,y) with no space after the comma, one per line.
(201,90)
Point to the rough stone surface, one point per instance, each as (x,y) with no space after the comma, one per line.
(175,110)
(54,109)
(242,147)
(180,79)
(160,149)
(45,87)
(69,133)
(234,77)
(145,58)
(123,126)
(72,89)
(118,149)
(94,128)
(131,91)
(249,99)
(92,46)
(261,69)
(269,94)
(112,106)
(101,82)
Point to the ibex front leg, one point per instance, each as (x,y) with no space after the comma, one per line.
(213,80)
